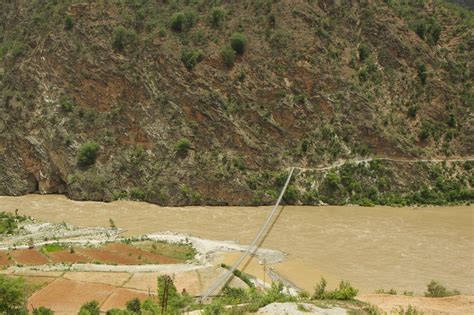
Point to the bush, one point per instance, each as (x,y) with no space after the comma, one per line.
(90,308)
(238,42)
(364,52)
(228,56)
(134,305)
(183,21)
(191,58)
(42,311)
(88,153)
(422,75)
(68,23)
(412,111)
(12,296)
(178,22)
(344,292)
(435,289)
(217,15)
(124,37)
(183,146)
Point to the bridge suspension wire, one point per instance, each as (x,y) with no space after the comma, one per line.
(253,246)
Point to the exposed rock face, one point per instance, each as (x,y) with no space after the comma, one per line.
(318,82)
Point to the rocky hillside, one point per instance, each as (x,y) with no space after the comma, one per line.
(211,101)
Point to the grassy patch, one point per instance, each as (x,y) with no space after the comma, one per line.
(181,251)
(51,248)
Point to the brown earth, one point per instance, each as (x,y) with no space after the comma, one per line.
(455,305)
(65,256)
(29,257)
(121,296)
(4,261)
(65,297)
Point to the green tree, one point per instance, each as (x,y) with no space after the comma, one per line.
(134,305)
(422,75)
(217,15)
(12,298)
(182,146)
(228,56)
(364,52)
(88,153)
(68,22)
(238,42)
(124,37)
(42,311)
(191,58)
(90,308)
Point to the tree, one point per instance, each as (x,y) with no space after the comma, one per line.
(42,311)
(68,22)
(134,305)
(90,308)
(88,153)
(363,52)
(182,147)
(217,15)
(238,42)
(191,58)
(228,56)
(422,73)
(12,298)
(124,37)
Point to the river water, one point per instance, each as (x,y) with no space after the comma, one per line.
(377,247)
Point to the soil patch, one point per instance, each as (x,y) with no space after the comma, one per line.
(121,296)
(65,256)
(111,278)
(29,257)
(65,296)
(455,305)
(4,261)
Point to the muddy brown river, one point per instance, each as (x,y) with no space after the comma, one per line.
(378,247)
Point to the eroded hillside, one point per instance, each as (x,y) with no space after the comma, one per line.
(152,100)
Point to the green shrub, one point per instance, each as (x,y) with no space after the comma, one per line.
(364,52)
(90,308)
(68,23)
(228,56)
(422,75)
(12,295)
(412,111)
(88,153)
(42,311)
(451,121)
(435,289)
(183,146)
(183,21)
(134,305)
(217,15)
(137,194)
(191,58)
(124,37)
(238,42)
(344,292)
(178,21)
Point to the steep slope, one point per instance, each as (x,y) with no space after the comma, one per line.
(165,119)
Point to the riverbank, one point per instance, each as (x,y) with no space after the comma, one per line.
(376,247)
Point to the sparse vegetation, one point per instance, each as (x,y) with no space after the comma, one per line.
(344,292)
(435,289)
